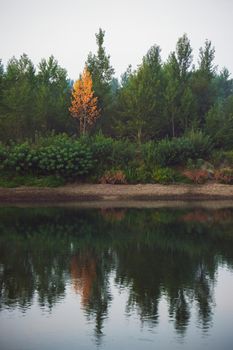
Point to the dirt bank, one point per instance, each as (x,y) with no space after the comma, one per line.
(110,193)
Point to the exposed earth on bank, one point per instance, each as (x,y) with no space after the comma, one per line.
(109,193)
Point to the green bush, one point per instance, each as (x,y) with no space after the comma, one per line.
(64,157)
(178,150)
(109,153)
(166,176)
(17,158)
(139,174)
(68,160)
(3,154)
(222,158)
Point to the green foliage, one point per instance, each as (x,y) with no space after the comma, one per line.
(138,174)
(12,181)
(33,101)
(18,159)
(108,153)
(68,160)
(3,153)
(178,150)
(219,123)
(165,176)
(59,155)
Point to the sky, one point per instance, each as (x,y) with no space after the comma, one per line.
(66,29)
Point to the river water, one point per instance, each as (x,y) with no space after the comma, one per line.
(73,278)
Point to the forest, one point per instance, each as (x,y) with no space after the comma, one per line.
(139,128)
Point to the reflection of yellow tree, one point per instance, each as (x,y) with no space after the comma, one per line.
(83,274)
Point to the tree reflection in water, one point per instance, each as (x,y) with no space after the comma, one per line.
(152,253)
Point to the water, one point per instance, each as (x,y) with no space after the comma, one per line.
(116,278)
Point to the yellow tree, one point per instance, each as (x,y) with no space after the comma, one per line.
(83,103)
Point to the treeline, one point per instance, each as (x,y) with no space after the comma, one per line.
(156,100)
(33,101)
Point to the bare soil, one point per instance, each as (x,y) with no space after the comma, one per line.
(111,193)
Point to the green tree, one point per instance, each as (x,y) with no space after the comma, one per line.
(219,123)
(179,105)
(53,97)
(184,57)
(141,99)
(203,81)
(102,76)
(17,115)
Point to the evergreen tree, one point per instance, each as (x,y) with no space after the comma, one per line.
(141,99)
(53,96)
(102,74)
(203,82)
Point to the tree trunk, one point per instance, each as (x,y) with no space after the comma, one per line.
(173,125)
(139,136)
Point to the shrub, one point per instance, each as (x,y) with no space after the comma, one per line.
(224,176)
(68,160)
(148,151)
(138,174)
(223,158)
(165,175)
(3,154)
(178,150)
(109,153)
(64,157)
(113,177)
(198,176)
(17,158)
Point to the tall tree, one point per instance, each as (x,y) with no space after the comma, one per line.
(53,95)
(178,94)
(84,104)
(141,99)
(184,57)
(102,74)
(202,83)
(18,98)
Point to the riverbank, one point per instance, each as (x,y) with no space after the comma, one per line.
(111,193)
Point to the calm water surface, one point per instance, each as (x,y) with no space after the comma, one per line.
(116,278)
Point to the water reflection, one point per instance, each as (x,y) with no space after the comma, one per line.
(151,254)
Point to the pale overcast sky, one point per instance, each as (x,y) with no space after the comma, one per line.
(66,29)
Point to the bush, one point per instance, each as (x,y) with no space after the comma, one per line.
(165,176)
(68,160)
(224,176)
(178,150)
(113,177)
(223,158)
(64,157)
(17,158)
(197,176)
(138,174)
(3,154)
(109,153)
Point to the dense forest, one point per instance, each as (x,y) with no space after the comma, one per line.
(157,102)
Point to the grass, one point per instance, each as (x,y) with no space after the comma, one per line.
(10,181)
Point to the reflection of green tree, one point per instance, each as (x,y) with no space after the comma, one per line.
(153,252)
